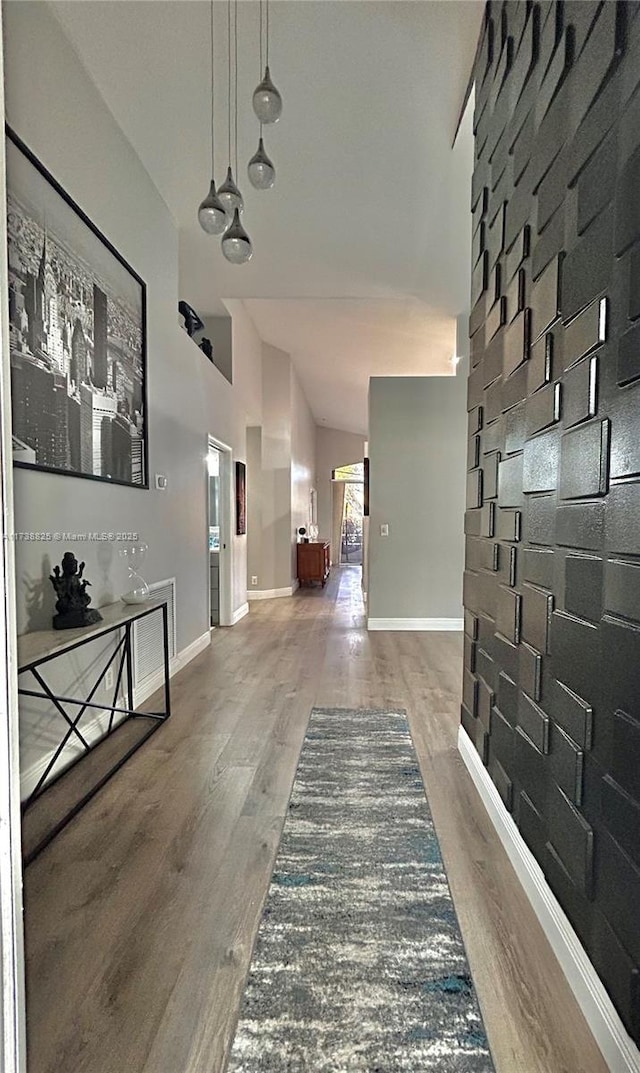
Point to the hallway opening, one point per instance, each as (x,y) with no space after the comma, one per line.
(348,512)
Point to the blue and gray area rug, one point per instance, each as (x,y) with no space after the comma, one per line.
(359,965)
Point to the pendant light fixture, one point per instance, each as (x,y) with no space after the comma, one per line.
(267,102)
(230,196)
(211,213)
(262,174)
(229,193)
(236,244)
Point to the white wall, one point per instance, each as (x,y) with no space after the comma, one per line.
(333,448)
(303,463)
(188,399)
(254,506)
(218,331)
(281,456)
(275,571)
(417,452)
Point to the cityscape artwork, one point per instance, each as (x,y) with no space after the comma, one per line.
(77,336)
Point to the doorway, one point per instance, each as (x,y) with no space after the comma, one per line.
(213,467)
(348,513)
(218,533)
(352,524)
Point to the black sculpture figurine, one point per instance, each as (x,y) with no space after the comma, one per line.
(206,346)
(73,600)
(192,321)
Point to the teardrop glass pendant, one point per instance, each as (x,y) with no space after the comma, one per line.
(236,244)
(230,196)
(267,102)
(211,214)
(262,174)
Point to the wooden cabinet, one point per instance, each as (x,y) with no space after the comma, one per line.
(314,561)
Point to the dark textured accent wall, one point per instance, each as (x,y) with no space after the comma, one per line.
(551,695)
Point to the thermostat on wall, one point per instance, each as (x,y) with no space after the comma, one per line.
(161,482)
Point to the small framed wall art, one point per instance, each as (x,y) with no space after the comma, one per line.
(241,498)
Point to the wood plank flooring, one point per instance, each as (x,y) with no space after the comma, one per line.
(141,916)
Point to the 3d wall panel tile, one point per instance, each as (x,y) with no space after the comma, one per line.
(552,586)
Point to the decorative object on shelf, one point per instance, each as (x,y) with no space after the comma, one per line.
(267,102)
(262,173)
(77,313)
(206,346)
(134,555)
(212,216)
(73,600)
(241,498)
(192,322)
(302,535)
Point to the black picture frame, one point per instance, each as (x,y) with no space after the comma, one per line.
(366,488)
(79,409)
(241,499)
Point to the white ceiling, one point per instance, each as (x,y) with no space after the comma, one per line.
(346,341)
(370,202)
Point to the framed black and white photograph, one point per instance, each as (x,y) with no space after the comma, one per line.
(77,321)
(241,499)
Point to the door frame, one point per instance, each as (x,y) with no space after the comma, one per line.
(360,484)
(12,997)
(226,533)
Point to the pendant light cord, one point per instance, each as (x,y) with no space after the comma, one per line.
(267,34)
(229,77)
(235,94)
(213,157)
(260,68)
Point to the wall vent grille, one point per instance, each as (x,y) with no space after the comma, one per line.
(147,637)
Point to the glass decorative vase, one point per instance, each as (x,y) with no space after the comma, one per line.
(138,592)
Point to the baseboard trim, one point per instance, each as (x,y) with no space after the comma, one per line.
(95,728)
(417,624)
(272,594)
(618,1049)
(190,652)
(239,613)
(154,681)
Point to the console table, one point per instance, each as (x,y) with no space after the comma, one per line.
(37,649)
(314,561)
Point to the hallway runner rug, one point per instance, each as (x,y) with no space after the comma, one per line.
(359,965)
